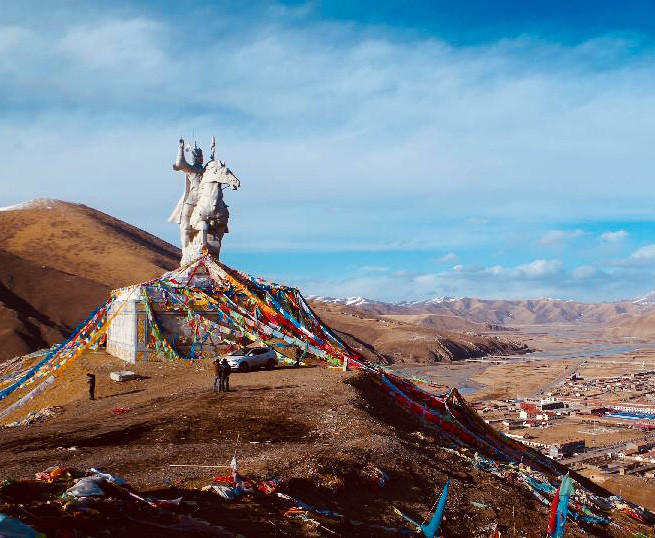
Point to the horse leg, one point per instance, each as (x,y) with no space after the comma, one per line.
(203,231)
(186,230)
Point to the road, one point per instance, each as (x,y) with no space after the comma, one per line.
(560,379)
(602,450)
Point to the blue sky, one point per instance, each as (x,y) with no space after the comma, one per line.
(393,150)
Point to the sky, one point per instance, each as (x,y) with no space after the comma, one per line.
(392,150)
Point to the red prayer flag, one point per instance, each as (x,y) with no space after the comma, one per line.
(552,521)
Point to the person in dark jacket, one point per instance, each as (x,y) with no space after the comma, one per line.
(91,380)
(225,376)
(218,376)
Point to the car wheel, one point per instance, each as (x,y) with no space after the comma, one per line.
(244,367)
(270,364)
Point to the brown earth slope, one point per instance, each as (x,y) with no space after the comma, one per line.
(40,305)
(639,326)
(440,322)
(86,242)
(400,339)
(58,261)
(535,311)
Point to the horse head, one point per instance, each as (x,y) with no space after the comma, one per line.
(217,172)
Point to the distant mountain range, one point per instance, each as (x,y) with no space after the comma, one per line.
(494,312)
(645,300)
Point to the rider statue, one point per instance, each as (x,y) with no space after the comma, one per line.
(201,211)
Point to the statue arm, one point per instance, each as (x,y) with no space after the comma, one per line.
(180,162)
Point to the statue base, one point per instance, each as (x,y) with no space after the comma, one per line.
(199,247)
(143,313)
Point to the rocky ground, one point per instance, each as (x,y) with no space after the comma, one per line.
(315,429)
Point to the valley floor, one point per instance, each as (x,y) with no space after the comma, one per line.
(593,355)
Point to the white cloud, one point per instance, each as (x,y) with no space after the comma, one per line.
(118,45)
(554,237)
(614,237)
(583,272)
(11,37)
(496,270)
(534,279)
(386,287)
(447,258)
(539,278)
(536,269)
(644,254)
(426,280)
(539,269)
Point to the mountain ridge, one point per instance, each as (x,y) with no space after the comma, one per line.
(505,311)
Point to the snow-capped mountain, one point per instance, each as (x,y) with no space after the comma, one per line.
(36,203)
(348,301)
(444,299)
(500,312)
(645,300)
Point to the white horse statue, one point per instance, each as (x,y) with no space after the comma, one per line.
(201,211)
(211,214)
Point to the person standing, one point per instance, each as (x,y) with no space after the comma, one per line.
(218,376)
(91,380)
(225,375)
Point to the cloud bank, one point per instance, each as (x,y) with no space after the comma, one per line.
(514,153)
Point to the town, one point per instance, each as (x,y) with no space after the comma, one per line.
(599,426)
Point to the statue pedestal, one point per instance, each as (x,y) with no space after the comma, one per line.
(197,248)
(126,334)
(131,335)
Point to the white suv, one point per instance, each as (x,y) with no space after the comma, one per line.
(256,357)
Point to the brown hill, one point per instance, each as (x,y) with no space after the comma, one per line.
(86,242)
(59,260)
(638,326)
(316,429)
(40,305)
(413,338)
(439,322)
(536,311)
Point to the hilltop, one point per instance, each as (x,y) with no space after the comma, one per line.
(316,430)
(83,241)
(415,338)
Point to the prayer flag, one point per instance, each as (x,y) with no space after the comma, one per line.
(560,508)
(430,530)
